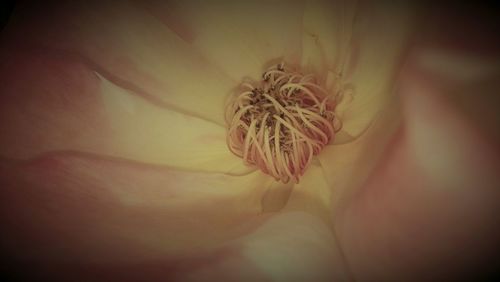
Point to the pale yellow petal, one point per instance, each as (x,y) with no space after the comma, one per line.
(241,36)
(156,135)
(312,194)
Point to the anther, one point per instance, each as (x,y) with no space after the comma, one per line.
(265,76)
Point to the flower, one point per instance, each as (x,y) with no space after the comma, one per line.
(114,141)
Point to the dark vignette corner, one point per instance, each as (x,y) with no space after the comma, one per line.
(6,8)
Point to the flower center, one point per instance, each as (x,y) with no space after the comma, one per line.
(279,123)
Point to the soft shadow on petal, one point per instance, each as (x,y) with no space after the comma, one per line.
(238,36)
(365,43)
(132,48)
(54,102)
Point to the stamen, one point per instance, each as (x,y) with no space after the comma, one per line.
(281,122)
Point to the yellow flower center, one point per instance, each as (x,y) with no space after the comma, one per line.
(279,123)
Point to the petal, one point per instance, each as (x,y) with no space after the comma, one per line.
(297,243)
(239,36)
(462,58)
(155,135)
(335,173)
(135,50)
(83,215)
(295,246)
(290,246)
(66,106)
(431,200)
(363,42)
(312,194)
(347,166)
(83,208)
(326,34)
(469,80)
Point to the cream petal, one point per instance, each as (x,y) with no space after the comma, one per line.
(364,43)
(239,36)
(312,194)
(52,102)
(136,50)
(295,246)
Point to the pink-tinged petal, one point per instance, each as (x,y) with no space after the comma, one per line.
(52,101)
(80,215)
(430,208)
(129,46)
(239,36)
(364,42)
(88,211)
(469,80)
(457,67)
(462,58)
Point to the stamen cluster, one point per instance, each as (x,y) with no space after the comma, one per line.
(279,123)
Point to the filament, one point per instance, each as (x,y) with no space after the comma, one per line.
(279,123)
